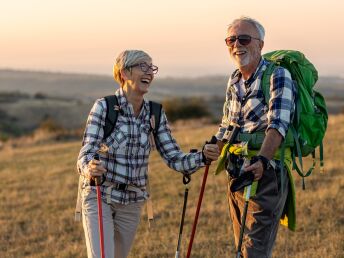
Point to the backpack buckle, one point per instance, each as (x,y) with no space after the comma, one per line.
(121,187)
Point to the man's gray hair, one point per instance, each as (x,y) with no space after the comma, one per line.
(255,23)
(125,60)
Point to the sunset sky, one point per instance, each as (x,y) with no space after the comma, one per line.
(184,37)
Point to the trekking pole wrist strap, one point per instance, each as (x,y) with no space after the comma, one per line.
(186,179)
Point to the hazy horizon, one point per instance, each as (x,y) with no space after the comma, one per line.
(185,38)
(192,76)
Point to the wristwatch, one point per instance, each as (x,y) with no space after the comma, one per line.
(264,160)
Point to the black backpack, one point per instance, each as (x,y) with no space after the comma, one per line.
(112,115)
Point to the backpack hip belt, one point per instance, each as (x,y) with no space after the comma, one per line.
(109,186)
(124,187)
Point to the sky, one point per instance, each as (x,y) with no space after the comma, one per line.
(184,37)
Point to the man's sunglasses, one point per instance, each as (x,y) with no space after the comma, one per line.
(243,40)
(145,67)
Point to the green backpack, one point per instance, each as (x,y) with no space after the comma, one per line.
(308,127)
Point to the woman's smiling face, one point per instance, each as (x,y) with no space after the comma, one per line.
(140,76)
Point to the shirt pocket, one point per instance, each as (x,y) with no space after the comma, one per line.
(118,140)
(144,136)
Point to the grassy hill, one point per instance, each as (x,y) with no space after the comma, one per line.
(39,184)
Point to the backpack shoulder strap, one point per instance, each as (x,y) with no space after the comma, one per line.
(111,114)
(155,110)
(266,81)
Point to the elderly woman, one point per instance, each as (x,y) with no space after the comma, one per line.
(126,159)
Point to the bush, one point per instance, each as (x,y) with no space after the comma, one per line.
(12,96)
(185,108)
(40,95)
(48,124)
(8,126)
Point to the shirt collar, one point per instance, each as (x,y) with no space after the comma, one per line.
(123,102)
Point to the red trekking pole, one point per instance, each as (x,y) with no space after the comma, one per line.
(212,141)
(98,182)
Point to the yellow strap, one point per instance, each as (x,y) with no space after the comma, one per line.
(78,210)
(238,150)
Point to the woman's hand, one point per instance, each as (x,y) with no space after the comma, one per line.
(94,169)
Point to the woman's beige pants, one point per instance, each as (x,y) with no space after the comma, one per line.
(119,225)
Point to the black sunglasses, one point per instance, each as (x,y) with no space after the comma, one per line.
(243,40)
(145,67)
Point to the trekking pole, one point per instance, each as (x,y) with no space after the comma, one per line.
(98,182)
(247,180)
(212,141)
(243,220)
(186,181)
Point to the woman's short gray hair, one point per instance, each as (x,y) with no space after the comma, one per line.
(255,23)
(125,60)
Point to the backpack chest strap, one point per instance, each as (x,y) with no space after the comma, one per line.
(255,140)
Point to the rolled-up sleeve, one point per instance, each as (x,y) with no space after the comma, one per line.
(282,100)
(93,134)
(171,152)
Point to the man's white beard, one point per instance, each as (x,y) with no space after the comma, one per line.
(240,62)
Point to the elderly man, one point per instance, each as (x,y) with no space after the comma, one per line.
(245,107)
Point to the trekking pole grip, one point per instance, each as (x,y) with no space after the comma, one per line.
(99,180)
(213,140)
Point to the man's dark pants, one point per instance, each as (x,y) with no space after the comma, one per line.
(264,212)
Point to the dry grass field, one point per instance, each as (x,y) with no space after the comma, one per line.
(39,185)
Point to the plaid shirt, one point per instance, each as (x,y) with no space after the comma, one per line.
(249,109)
(129,147)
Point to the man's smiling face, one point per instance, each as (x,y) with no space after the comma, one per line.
(245,55)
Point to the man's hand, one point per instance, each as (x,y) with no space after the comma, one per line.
(270,145)
(94,169)
(211,151)
(256,168)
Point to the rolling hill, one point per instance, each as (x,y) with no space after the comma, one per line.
(27,98)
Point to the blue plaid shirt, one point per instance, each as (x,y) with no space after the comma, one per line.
(129,147)
(249,110)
